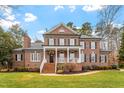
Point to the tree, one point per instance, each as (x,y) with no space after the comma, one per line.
(121,50)
(17,33)
(105,25)
(86,29)
(70,24)
(9,40)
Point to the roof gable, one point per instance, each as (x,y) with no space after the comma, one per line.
(61,29)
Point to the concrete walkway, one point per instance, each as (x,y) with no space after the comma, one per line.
(121,69)
(78,74)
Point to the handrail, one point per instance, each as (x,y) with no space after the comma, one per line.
(42,65)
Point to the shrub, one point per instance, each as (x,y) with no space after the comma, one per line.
(86,68)
(60,66)
(60,71)
(114,66)
(121,65)
(69,67)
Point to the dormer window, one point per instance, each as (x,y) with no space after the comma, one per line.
(61,30)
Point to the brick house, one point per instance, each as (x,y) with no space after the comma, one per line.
(61,45)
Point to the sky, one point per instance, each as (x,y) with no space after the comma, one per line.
(35,19)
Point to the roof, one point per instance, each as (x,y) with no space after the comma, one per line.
(90,37)
(61,24)
(31,48)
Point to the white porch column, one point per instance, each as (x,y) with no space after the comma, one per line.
(79,55)
(67,55)
(56,60)
(44,56)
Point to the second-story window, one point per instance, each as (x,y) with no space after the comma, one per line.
(51,41)
(82,44)
(93,45)
(61,41)
(72,41)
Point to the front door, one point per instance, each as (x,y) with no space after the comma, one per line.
(51,58)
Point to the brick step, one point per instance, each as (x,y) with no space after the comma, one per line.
(49,68)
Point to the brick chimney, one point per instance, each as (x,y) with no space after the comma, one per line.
(26,41)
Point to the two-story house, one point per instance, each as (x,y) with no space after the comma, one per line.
(61,45)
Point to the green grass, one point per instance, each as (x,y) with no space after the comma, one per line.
(104,79)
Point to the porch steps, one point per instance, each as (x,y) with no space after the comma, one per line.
(49,68)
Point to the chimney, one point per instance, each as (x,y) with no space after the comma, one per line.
(26,41)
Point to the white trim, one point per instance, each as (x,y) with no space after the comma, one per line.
(72,41)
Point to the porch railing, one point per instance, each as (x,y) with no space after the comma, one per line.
(71,60)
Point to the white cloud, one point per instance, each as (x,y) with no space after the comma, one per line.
(7,13)
(29,17)
(6,23)
(58,7)
(72,8)
(89,8)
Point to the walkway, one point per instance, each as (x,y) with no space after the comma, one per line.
(83,73)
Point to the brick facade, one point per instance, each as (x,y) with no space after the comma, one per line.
(56,34)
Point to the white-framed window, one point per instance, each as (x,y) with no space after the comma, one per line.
(35,57)
(61,30)
(61,41)
(61,57)
(93,45)
(93,57)
(82,57)
(82,44)
(72,41)
(18,57)
(72,56)
(51,41)
(103,58)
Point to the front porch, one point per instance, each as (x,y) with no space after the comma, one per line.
(55,55)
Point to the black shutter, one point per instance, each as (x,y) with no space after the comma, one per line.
(95,45)
(48,41)
(16,57)
(85,57)
(90,58)
(95,57)
(100,58)
(105,58)
(21,57)
(75,42)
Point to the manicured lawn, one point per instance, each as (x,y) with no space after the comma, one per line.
(105,79)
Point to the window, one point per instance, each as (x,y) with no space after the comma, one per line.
(72,42)
(103,58)
(61,30)
(51,41)
(82,57)
(82,44)
(35,57)
(93,57)
(72,57)
(93,45)
(61,41)
(61,58)
(19,57)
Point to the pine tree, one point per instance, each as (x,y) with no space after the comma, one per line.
(121,51)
